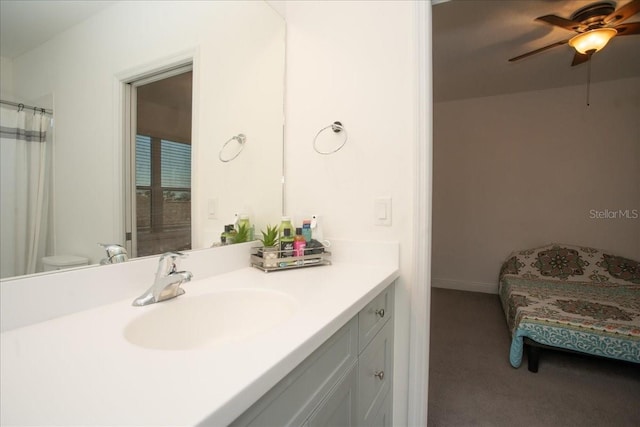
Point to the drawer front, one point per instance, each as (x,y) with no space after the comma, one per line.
(292,400)
(339,408)
(375,375)
(373,317)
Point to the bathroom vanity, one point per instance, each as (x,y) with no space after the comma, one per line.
(346,382)
(312,346)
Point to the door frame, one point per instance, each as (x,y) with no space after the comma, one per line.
(130,131)
(421,269)
(122,117)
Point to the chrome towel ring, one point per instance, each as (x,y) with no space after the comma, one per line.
(337,127)
(241,139)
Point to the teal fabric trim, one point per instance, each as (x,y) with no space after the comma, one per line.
(625,348)
(517,345)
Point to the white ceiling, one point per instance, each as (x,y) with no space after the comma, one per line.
(473,39)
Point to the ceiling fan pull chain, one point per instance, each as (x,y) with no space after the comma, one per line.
(588,80)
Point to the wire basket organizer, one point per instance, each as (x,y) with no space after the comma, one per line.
(272,259)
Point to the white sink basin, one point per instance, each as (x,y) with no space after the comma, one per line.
(186,322)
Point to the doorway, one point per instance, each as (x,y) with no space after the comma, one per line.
(158,209)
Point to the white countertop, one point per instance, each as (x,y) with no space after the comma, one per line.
(80,370)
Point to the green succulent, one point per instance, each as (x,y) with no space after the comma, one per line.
(270,237)
(242,234)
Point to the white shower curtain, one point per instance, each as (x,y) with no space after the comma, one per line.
(25,155)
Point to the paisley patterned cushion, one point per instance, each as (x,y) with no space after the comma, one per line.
(594,310)
(510,266)
(621,268)
(560,262)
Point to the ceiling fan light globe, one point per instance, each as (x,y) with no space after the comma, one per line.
(593,40)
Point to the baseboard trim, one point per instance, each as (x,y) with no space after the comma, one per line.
(459,285)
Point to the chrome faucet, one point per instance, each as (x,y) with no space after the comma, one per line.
(167,282)
(115,253)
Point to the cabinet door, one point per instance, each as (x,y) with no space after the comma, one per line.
(294,398)
(339,408)
(375,374)
(383,417)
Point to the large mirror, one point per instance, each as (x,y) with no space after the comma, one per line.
(236,52)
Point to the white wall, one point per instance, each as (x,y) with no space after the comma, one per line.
(6,82)
(234,82)
(353,62)
(523,170)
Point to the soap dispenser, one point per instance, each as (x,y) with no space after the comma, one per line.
(316,229)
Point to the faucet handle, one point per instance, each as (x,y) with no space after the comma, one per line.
(168,262)
(172,255)
(115,253)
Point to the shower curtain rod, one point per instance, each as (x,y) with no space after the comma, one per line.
(27,107)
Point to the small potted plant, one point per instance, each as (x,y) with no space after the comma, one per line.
(242,234)
(269,248)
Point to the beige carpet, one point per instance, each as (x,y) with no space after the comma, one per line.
(471,382)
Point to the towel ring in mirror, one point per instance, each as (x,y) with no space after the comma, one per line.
(241,139)
(337,127)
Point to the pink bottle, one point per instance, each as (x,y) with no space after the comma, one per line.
(299,243)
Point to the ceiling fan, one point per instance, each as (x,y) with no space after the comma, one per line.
(596,24)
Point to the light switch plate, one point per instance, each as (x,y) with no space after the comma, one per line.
(212,209)
(382,211)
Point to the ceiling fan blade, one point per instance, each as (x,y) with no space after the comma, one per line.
(625,12)
(628,29)
(560,22)
(542,49)
(580,58)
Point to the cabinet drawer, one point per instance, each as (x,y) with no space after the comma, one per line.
(292,400)
(375,375)
(373,317)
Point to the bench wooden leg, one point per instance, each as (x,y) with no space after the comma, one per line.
(533,357)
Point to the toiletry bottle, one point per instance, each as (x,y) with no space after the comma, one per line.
(316,229)
(244,220)
(306,230)
(299,243)
(284,224)
(224,235)
(286,244)
(230,233)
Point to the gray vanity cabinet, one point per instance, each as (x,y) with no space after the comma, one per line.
(347,381)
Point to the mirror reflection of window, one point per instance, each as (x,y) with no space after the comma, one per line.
(163,198)
(161,145)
